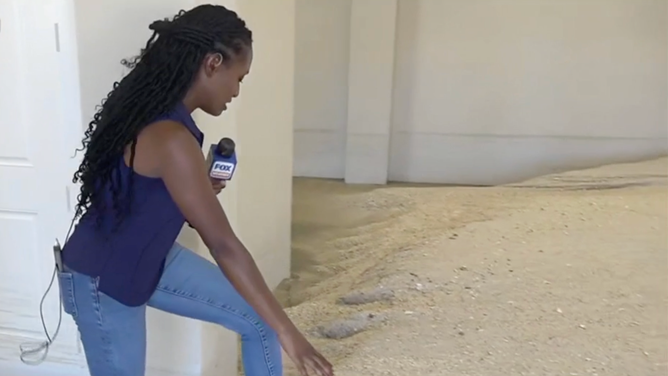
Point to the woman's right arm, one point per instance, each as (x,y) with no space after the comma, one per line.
(182,168)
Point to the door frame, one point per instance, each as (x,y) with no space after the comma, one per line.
(71,121)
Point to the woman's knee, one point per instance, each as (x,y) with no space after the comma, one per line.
(254,328)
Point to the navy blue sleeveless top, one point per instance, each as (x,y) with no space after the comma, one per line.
(128,263)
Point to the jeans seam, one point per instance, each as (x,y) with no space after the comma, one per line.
(256,324)
(97,305)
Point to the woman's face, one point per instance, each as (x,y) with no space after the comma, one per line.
(221,80)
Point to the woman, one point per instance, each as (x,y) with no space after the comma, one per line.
(143,175)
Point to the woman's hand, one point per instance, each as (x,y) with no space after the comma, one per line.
(218,185)
(306,358)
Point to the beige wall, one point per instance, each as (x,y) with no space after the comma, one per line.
(487,92)
(322,50)
(258,200)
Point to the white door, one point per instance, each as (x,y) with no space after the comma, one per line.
(33,175)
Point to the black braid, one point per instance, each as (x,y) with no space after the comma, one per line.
(160,77)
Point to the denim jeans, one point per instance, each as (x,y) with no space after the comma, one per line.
(114,335)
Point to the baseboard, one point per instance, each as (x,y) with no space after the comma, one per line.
(495,160)
(8,368)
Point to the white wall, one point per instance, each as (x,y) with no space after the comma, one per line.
(321,87)
(258,200)
(487,92)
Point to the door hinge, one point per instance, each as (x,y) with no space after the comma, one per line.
(68,200)
(56,29)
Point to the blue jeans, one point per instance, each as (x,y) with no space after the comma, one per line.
(114,335)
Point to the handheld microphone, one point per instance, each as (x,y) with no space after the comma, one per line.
(222,159)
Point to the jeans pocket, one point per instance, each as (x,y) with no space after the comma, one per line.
(66,282)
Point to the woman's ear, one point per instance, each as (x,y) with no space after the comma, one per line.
(213,62)
(218,59)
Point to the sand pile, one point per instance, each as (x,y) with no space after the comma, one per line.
(562,275)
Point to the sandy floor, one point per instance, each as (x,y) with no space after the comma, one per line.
(562,275)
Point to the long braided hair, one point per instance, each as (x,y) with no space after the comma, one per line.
(160,77)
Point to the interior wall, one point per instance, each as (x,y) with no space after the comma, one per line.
(265,118)
(322,47)
(489,92)
(370,82)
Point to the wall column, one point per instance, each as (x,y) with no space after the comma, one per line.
(370,81)
(258,201)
